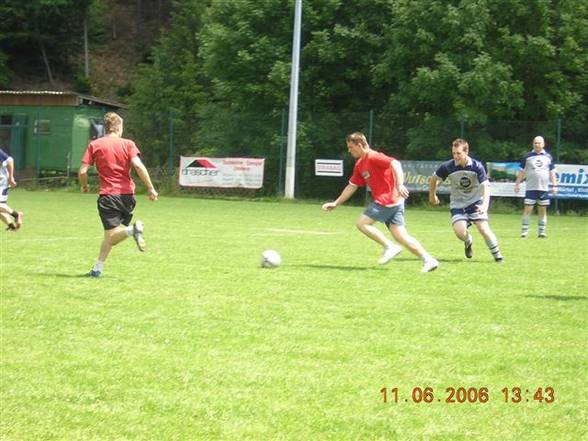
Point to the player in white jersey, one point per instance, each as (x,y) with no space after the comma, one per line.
(469,197)
(10,217)
(537,167)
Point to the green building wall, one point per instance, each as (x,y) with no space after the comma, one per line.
(50,137)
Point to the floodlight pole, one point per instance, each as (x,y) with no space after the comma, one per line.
(293,112)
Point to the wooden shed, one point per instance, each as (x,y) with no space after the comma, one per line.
(48,130)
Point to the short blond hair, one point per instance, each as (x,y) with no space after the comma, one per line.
(459,142)
(112,122)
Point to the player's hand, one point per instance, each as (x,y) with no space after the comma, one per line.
(328,206)
(403,191)
(85,188)
(12,182)
(434,199)
(153,194)
(481,209)
(554,189)
(516,188)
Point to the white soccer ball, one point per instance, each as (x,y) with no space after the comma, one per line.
(270,259)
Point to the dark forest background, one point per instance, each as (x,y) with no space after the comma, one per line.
(213,77)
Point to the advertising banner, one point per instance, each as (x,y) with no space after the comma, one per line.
(221,172)
(417,175)
(502,177)
(328,167)
(572,180)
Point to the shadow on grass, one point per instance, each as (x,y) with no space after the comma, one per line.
(560,298)
(67,276)
(341,267)
(387,267)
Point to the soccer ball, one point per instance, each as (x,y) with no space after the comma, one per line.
(270,259)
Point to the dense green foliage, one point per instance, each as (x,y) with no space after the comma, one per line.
(50,31)
(192,340)
(428,70)
(413,73)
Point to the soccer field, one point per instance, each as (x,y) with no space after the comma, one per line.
(193,340)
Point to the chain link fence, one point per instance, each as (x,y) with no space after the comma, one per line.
(53,151)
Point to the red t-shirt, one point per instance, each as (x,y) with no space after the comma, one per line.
(375,170)
(112,157)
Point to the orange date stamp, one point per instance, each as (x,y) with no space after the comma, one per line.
(470,395)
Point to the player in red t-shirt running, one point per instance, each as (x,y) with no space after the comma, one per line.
(113,157)
(385,178)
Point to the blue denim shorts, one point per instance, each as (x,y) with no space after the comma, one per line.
(388,215)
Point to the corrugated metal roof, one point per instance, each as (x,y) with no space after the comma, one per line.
(82,99)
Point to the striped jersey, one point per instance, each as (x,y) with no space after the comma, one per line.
(466,183)
(537,168)
(4,168)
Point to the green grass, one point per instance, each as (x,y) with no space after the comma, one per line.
(192,340)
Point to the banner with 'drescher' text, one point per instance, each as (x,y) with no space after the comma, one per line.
(221,172)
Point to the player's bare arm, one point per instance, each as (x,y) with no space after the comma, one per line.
(10,169)
(344,196)
(519,179)
(83,177)
(433,182)
(485,197)
(553,179)
(144,175)
(399,178)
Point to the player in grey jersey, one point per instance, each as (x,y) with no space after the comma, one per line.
(537,168)
(469,197)
(11,217)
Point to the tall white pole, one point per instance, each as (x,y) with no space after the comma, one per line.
(293,113)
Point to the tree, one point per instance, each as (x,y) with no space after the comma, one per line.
(53,29)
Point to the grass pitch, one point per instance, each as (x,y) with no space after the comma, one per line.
(192,340)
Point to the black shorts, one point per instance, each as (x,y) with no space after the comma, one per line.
(115,209)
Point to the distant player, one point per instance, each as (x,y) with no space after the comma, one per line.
(537,167)
(385,178)
(11,217)
(469,197)
(113,157)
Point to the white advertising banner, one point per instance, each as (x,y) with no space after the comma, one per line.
(221,172)
(328,167)
(572,180)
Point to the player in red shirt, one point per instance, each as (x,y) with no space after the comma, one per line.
(385,178)
(113,157)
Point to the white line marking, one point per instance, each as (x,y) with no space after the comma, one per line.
(289,231)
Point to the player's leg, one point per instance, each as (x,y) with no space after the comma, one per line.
(542,215)
(9,221)
(531,199)
(401,235)
(111,238)
(128,203)
(490,238)
(460,224)
(527,211)
(365,224)
(115,217)
(542,221)
(16,215)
